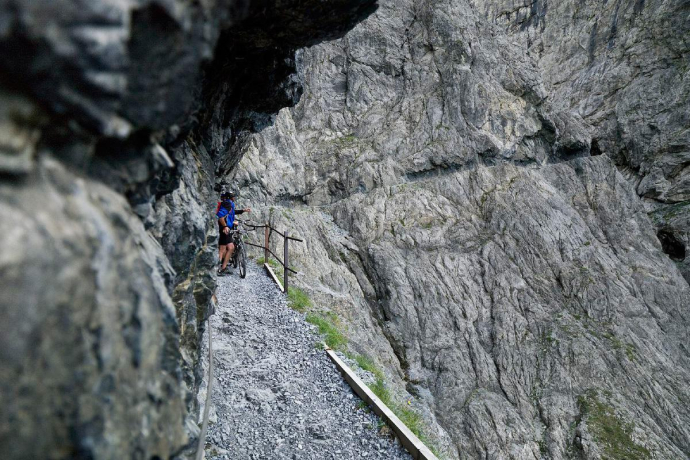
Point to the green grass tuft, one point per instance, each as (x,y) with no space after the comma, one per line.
(412,419)
(328,328)
(368,365)
(271,262)
(610,432)
(298,300)
(381,391)
(363,406)
(630,351)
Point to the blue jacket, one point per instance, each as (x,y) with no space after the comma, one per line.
(230,213)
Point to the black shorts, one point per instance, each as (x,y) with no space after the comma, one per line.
(224,239)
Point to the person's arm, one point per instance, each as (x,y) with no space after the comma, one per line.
(242,211)
(224,226)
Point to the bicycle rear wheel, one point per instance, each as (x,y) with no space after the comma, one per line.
(242,256)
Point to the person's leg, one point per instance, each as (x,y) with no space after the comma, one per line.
(228,255)
(222,249)
(221,252)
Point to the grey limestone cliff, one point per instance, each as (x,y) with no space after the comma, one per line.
(460,219)
(493,196)
(623,67)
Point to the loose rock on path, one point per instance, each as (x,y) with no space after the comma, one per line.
(275,395)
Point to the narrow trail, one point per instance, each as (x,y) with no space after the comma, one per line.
(276,396)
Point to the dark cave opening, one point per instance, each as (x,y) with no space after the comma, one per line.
(595,150)
(671,245)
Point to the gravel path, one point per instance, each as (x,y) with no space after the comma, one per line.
(275,395)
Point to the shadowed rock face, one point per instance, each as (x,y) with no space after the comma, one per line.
(114,116)
(464,223)
(119,66)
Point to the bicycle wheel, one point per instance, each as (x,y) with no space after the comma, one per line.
(235,256)
(242,256)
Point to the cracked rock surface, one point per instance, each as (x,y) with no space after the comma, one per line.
(464,224)
(466,174)
(623,67)
(275,395)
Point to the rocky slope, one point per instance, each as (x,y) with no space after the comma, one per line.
(459,215)
(114,116)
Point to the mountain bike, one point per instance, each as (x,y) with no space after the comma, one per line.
(239,257)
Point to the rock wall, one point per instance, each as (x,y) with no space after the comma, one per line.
(460,218)
(623,67)
(114,118)
(443,165)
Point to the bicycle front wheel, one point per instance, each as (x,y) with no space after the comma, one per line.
(235,257)
(242,256)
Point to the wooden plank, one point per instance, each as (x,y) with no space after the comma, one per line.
(275,278)
(408,439)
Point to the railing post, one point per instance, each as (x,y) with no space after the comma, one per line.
(267,232)
(285,258)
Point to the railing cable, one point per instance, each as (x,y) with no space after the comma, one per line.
(268,231)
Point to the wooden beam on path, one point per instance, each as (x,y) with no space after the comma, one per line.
(408,439)
(275,278)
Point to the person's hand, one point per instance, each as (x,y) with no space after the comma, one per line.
(248,210)
(226,230)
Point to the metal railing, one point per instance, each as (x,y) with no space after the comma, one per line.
(268,231)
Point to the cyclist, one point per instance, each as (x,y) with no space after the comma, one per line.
(226,213)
